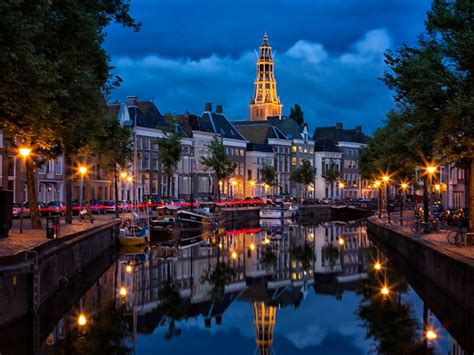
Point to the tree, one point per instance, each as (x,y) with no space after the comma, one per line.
(114,151)
(218,162)
(450,26)
(304,254)
(268,175)
(170,150)
(170,300)
(218,278)
(296,114)
(303,175)
(331,175)
(268,257)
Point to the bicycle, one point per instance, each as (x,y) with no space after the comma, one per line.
(457,237)
(418,226)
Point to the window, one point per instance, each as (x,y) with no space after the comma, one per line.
(155,161)
(139,143)
(300,149)
(293,161)
(155,147)
(249,174)
(242,152)
(293,149)
(11,166)
(146,141)
(147,161)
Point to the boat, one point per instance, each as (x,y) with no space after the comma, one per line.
(162,225)
(274,212)
(191,239)
(132,234)
(186,218)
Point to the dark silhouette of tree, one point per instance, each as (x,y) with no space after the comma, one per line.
(296,114)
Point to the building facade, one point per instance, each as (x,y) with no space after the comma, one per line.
(265,101)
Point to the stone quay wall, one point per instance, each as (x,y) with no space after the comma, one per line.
(450,272)
(57,261)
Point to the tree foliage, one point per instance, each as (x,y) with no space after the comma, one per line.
(304,254)
(268,174)
(268,257)
(170,151)
(218,278)
(296,114)
(217,161)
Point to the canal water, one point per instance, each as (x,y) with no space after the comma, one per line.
(254,289)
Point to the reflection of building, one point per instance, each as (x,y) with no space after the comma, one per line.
(264,318)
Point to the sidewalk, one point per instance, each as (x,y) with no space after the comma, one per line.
(17,243)
(439,239)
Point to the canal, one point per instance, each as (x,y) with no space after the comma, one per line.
(248,289)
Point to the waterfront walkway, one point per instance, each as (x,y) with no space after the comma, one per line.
(17,243)
(438,239)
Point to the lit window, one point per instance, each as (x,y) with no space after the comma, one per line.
(293,161)
(293,149)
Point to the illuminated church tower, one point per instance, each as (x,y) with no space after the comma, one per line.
(265,101)
(264,319)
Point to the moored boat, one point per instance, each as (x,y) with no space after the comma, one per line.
(133,235)
(273,212)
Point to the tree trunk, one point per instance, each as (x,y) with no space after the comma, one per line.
(426,201)
(87,179)
(470,194)
(116,192)
(35,215)
(68,186)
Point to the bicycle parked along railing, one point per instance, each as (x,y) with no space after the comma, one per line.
(419,226)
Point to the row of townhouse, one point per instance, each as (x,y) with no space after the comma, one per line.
(277,141)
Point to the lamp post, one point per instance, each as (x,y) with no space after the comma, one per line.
(404,187)
(386,180)
(431,170)
(123,176)
(377,184)
(24,152)
(83,171)
(341,186)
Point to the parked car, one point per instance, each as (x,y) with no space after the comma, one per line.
(109,206)
(42,208)
(56,208)
(17,210)
(97,207)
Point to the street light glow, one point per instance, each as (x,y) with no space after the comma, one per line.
(404,185)
(252,183)
(385,291)
(24,152)
(437,187)
(123,291)
(431,334)
(123,174)
(234,255)
(377,183)
(431,169)
(128,268)
(341,241)
(377,266)
(129,178)
(252,246)
(386,178)
(341,185)
(82,320)
(82,170)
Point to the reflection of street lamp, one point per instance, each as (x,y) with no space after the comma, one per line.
(384,290)
(123,176)
(24,152)
(82,171)
(123,292)
(82,320)
(377,266)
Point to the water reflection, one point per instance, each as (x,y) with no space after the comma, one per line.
(163,294)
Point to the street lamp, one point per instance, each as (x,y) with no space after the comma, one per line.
(430,170)
(83,171)
(377,266)
(82,320)
(404,187)
(386,180)
(377,184)
(24,152)
(252,183)
(341,186)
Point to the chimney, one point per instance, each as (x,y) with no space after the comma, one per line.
(339,125)
(208,107)
(219,319)
(219,109)
(358,128)
(132,100)
(207,322)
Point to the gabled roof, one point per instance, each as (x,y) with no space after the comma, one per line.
(144,113)
(258,132)
(338,134)
(288,126)
(217,123)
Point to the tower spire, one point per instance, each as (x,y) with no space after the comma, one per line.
(265,101)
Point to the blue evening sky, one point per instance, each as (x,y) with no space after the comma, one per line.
(329,54)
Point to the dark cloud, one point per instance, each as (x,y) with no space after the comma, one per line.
(329,54)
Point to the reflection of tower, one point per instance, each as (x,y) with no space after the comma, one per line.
(265,101)
(264,319)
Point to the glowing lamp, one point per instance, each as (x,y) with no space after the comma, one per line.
(385,291)
(82,320)
(431,169)
(341,241)
(252,246)
(128,268)
(82,170)
(123,174)
(24,152)
(123,291)
(431,334)
(234,255)
(377,266)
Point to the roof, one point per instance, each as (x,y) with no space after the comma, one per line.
(288,126)
(258,132)
(338,134)
(325,145)
(216,123)
(144,113)
(253,147)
